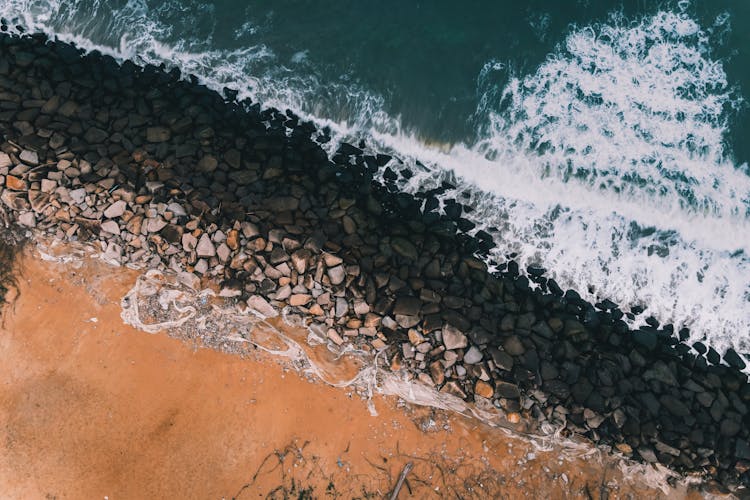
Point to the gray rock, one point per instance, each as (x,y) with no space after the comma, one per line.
(29,157)
(78,196)
(5,161)
(342,307)
(27,219)
(95,135)
(336,274)
(282,204)
(189,242)
(406,321)
(404,248)
(261,306)
(116,209)
(507,390)
(111,227)
(501,359)
(299,260)
(207,164)
(205,247)
(158,134)
(453,338)
(155,224)
(223,252)
(513,346)
(473,356)
(407,306)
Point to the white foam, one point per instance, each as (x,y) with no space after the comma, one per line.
(621,129)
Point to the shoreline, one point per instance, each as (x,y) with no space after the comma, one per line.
(107,410)
(164,173)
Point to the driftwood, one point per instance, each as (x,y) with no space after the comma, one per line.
(401,478)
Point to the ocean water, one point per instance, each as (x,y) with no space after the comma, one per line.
(604,141)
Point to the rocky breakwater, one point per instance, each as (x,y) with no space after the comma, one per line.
(164,173)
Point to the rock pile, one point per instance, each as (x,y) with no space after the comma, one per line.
(163,172)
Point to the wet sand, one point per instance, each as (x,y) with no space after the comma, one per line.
(92,408)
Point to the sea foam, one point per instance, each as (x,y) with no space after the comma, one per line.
(607,165)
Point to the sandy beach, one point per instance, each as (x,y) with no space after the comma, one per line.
(91,408)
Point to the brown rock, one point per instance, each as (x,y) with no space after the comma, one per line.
(482,388)
(233,239)
(437,372)
(16,184)
(299,299)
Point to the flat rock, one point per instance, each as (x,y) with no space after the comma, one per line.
(189,242)
(453,338)
(404,248)
(484,389)
(408,306)
(205,247)
(29,157)
(158,134)
(116,209)
(513,346)
(299,299)
(111,227)
(261,306)
(473,356)
(336,274)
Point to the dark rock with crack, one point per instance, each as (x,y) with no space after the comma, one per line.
(164,173)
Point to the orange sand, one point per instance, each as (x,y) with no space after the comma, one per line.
(91,408)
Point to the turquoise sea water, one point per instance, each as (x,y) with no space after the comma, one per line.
(605,141)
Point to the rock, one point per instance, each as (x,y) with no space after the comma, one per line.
(437,372)
(331,260)
(336,275)
(282,204)
(730,427)
(48,185)
(407,306)
(78,196)
(674,406)
(95,135)
(158,134)
(189,242)
(501,359)
(473,356)
(734,360)
(299,299)
(299,260)
(404,248)
(111,227)
(661,372)
(205,247)
(5,161)
(233,239)
(624,448)
(335,337)
(223,252)
(507,390)
(207,164)
(155,224)
(29,157)
(15,183)
(116,209)
(453,338)
(513,346)
(452,387)
(406,321)
(647,454)
(261,306)
(483,389)
(27,219)
(342,307)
